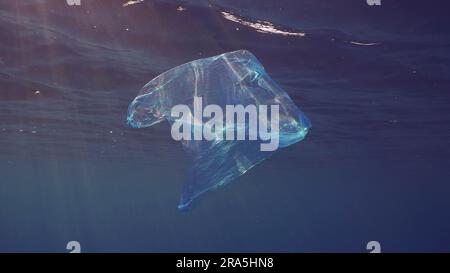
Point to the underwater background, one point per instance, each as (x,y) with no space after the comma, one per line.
(374,80)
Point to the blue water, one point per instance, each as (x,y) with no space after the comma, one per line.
(372,79)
